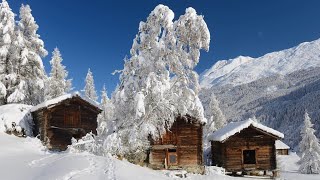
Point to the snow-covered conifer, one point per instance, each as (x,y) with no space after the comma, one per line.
(158,82)
(215,120)
(57,83)
(105,118)
(191,35)
(140,99)
(30,51)
(309,148)
(215,117)
(8,75)
(89,88)
(3,91)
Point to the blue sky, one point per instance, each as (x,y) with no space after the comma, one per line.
(98,34)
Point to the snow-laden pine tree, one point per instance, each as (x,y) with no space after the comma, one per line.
(158,82)
(3,92)
(9,80)
(191,35)
(89,88)
(215,120)
(57,84)
(309,148)
(215,117)
(105,118)
(144,82)
(30,51)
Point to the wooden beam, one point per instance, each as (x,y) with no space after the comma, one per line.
(167,146)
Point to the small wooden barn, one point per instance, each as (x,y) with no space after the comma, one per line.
(282,148)
(59,119)
(180,147)
(245,146)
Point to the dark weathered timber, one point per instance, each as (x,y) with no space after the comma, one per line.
(183,139)
(283,151)
(229,154)
(56,125)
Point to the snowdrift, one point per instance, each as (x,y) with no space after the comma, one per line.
(16,118)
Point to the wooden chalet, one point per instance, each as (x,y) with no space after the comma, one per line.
(58,120)
(180,147)
(282,148)
(245,146)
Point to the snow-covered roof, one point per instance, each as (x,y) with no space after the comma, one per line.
(281,145)
(235,127)
(59,99)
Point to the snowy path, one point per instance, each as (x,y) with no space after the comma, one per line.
(96,167)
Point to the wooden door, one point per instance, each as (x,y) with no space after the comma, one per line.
(172,157)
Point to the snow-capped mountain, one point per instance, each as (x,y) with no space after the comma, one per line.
(277,88)
(243,69)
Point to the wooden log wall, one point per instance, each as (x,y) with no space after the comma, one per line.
(53,129)
(282,151)
(229,154)
(186,138)
(88,119)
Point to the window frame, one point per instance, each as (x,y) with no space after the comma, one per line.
(252,153)
(172,152)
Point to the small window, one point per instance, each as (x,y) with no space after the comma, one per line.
(249,157)
(71,118)
(172,158)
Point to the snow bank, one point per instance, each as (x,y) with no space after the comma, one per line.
(16,117)
(289,168)
(22,158)
(235,127)
(214,170)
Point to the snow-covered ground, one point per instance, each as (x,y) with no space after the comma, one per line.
(26,158)
(289,168)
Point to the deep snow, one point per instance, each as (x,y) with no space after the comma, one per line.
(26,158)
(19,114)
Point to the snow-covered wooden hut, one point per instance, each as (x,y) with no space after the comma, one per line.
(245,146)
(59,119)
(282,148)
(180,147)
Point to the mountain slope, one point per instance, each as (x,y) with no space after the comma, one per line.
(242,70)
(277,101)
(276,88)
